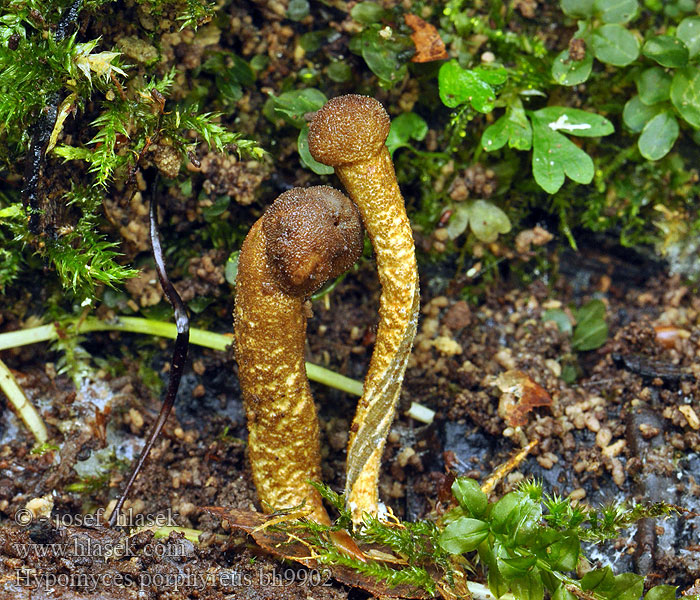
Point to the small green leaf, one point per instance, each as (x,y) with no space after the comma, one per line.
(564,554)
(592,310)
(367,13)
(689,32)
(571,72)
(231,267)
(469,495)
(487,555)
(554,157)
(199,304)
(560,318)
(458,86)
(492,75)
(528,587)
(513,128)
(628,586)
(614,45)
(298,9)
(458,221)
(653,85)
(305,155)
(221,204)
(502,511)
(616,11)
(666,50)
(292,106)
(487,221)
(659,136)
(598,579)
(11,211)
(463,535)
(339,72)
(383,56)
(636,114)
(662,592)
(575,121)
(517,566)
(591,330)
(405,127)
(685,94)
(579,9)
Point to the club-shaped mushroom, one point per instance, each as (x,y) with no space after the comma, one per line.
(348,133)
(306,237)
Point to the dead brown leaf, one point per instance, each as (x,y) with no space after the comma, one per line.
(429,45)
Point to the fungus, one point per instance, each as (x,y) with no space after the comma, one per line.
(348,133)
(305,238)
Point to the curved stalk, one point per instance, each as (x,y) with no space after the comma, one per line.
(199,337)
(25,409)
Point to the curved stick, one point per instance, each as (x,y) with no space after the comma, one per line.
(179,355)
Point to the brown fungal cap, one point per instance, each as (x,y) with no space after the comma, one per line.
(348,129)
(313,234)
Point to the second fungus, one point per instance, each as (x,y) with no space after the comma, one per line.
(348,133)
(305,238)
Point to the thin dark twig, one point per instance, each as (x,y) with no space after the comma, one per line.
(43,129)
(68,19)
(182,323)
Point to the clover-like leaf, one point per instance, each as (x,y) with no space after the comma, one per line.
(555,156)
(383,56)
(614,45)
(579,9)
(367,13)
(458,221)
(658,136)
(689,32)
(487,221)
(575,121)
(636,114)
(459,86)
(667,50)
(512,128)
(685,94)
(566,71)
(653,85)
(616,11)
(405,127)
(292,106)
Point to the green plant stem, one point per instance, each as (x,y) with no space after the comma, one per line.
(25,409)
(200,337)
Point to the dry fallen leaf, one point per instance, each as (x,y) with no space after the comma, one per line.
(429,45)
(292,547)
(520,395)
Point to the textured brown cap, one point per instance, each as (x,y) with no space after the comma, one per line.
(348,129)
(312,234)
